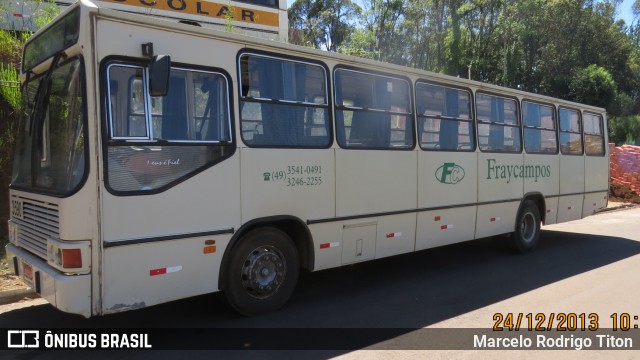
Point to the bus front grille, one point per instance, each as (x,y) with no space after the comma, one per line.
(38,222)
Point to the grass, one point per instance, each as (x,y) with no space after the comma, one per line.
(4,264)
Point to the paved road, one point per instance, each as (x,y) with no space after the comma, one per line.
(589,266)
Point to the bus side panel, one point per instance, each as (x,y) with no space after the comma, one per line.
(142,275)
(596,170)
(287,182)
(327,245)
(133,274)
(210,202)
(570,207)
(594,202)
(596,185)
(359,240)
(375,181)
(551,216)
(572,179)
(500,191)
(396,234)
(545,180)
(499,177)
(496,219)
(443,227)
(446,179)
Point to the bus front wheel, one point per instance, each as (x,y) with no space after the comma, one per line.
(262,273)
(527,231)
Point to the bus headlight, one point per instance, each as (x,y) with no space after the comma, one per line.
(69,256)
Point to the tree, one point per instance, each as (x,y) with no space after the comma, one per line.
(593,85)
(383,18)
(326,24)
(625,129)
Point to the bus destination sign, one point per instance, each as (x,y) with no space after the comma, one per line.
(207,9)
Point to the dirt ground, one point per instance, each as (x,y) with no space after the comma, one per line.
(622,194)
(8,281)
(619,195)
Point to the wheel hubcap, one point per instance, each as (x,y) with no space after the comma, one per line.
(263,271)
(528,227)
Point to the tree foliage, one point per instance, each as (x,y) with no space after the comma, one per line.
(325,24)
(593,85)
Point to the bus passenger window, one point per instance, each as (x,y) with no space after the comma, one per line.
(444,118)
(283,103)
(570,132)
(539,128)
(498,124)
(372,111)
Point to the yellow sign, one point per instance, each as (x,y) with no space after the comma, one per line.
(206,9)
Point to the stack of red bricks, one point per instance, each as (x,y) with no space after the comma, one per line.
(625,166)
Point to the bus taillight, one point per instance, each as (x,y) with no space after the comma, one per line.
(71,258)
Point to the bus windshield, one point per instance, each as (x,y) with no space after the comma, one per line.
(50,148)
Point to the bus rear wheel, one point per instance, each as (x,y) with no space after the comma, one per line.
(527,231)
(263,272)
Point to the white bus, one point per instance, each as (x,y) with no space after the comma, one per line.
(222,163)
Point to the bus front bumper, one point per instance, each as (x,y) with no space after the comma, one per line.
(69,293)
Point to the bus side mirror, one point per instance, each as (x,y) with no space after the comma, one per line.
(159,71)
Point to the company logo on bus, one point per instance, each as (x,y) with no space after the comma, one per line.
(450,173)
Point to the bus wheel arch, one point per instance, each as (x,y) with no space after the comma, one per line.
(286,238)
(526,233)
(538,199)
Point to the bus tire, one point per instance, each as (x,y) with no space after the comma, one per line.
(262,272)
(527,232)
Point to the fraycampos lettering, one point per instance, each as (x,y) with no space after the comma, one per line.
(497,171)
(450,173)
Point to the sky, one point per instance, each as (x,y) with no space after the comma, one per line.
(624,10)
